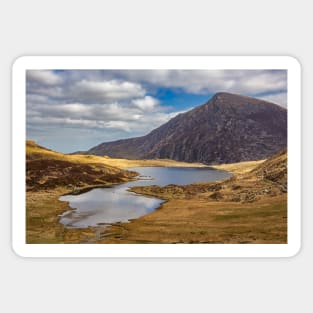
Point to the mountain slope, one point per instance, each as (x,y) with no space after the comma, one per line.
(228,128)
(47,169)
(250,207)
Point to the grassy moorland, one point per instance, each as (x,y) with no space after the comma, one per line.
(250,207)
(50,174)
(238,168)
(199,221)
(34,151)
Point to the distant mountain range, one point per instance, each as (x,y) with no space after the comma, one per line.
(228,128)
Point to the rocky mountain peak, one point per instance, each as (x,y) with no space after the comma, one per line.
(228,128)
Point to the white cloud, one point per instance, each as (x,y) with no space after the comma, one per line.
(247,82)
(122,125)
(138,116)
(127,123)
(43,77)
(279,98)
(103,86)
(36,98)
(146,103)
(119,104)
(96,91)
(43,83)
(110,111)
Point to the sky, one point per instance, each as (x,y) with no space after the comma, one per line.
(72,110)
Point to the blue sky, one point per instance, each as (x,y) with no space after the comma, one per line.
(70,110)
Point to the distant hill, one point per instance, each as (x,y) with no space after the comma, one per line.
(46,169)
(228,128)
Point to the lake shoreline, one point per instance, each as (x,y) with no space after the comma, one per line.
(54,231)
(243,209)
(118,204)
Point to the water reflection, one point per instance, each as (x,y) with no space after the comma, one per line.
(110,205)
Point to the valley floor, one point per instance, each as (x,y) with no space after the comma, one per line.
(250,207)
(199,221)
(50,174)
(243,209)
(42,219)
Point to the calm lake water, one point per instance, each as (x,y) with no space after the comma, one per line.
(103,206)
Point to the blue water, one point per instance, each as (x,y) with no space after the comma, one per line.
(102,206)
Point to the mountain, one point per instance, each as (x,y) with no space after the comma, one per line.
(228,128)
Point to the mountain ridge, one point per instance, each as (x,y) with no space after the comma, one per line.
(226,129)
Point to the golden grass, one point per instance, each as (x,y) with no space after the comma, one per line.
(191,215)
(126,163)
(42,219)
(32,149)
(243,209)
(199,221)
(238,168)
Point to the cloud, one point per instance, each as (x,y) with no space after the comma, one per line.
(95,91)
(130,123)
(50,85)
(43,77)
(146,103)
(247,82)
(130,117)
(102,86)
(103,105)
(278,98)
(103,111)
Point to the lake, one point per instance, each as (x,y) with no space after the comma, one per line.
(101,206)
